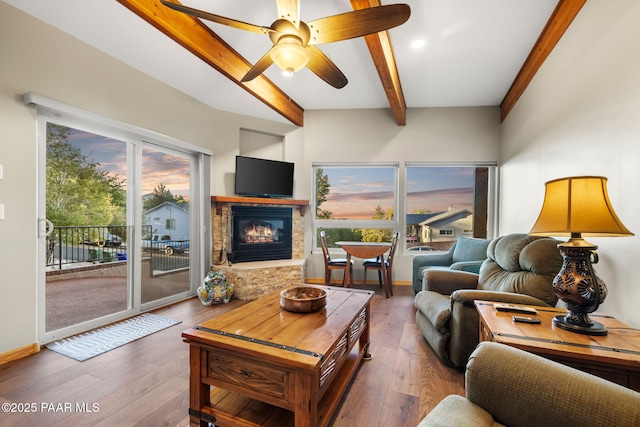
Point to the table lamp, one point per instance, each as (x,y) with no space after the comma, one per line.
(577,206)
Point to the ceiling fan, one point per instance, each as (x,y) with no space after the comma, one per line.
(294,41)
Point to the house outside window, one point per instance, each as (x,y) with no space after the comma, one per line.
(444,202)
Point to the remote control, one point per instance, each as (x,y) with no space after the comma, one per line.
(515,308)
(525,319)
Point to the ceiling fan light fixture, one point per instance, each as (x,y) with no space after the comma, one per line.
(289,54)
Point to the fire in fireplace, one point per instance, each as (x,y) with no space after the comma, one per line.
(260,233)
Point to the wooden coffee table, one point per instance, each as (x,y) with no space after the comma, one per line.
(261,365)
(615,356)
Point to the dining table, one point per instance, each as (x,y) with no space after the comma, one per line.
(367,250)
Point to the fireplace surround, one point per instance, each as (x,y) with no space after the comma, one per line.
(253,279)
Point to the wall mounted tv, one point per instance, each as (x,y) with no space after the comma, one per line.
(263,178)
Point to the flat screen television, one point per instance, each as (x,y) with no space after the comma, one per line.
(263,178)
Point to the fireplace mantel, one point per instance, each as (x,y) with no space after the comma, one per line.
(220,200)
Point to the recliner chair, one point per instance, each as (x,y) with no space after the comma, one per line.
(466,254)
(519,269)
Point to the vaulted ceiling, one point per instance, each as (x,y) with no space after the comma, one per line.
(473,53)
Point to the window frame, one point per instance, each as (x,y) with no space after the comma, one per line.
(491,196)
(318,224)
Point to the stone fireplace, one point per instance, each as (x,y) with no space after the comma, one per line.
(258,243)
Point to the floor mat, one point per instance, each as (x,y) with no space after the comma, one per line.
(90,344)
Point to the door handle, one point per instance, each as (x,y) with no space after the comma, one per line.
(45,227)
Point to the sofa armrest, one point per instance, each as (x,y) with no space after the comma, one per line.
(522,389)
(438,258)
(447,281)
(470,266)
(419,262)
(467,297)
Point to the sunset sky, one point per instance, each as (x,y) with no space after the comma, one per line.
(354,192)
(157,167)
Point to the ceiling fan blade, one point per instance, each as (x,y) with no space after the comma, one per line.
(323,67)
(217,18)
(289,10)
(259,68)
(358,23)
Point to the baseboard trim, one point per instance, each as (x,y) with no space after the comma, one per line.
(19,353)
(320,281)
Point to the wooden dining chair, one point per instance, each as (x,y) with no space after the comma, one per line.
(332,264)
(374,263)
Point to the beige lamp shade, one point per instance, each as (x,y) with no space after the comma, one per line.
(578,205)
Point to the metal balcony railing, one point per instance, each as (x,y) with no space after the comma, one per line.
(69,246)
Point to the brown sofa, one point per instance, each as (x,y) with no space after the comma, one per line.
(510,387)
(519,269)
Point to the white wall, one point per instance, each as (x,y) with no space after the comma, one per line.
(581,116)
(261,145)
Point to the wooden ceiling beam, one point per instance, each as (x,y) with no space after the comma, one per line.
(382,54)
(562,17)
(198,39)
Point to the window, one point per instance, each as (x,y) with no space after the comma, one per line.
(171,224)
(356,202)
(444,202)
(440,203)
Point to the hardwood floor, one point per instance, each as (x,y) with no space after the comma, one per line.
(145,383)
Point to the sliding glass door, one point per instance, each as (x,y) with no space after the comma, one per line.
(84,229)
(165,238)
(117,220)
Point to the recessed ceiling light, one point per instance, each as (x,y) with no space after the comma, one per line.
(417,44)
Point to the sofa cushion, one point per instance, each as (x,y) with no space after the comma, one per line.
(522,264)
(469,249)
(455,410)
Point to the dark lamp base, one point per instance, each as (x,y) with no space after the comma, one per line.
(595,329)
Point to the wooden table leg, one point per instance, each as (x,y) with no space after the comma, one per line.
(199,393)
(306,404)
(348,280)
(364,338)
(385,281)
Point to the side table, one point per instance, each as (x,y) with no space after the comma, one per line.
(615,356)
(367,250)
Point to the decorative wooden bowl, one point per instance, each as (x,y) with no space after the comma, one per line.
(303,299)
